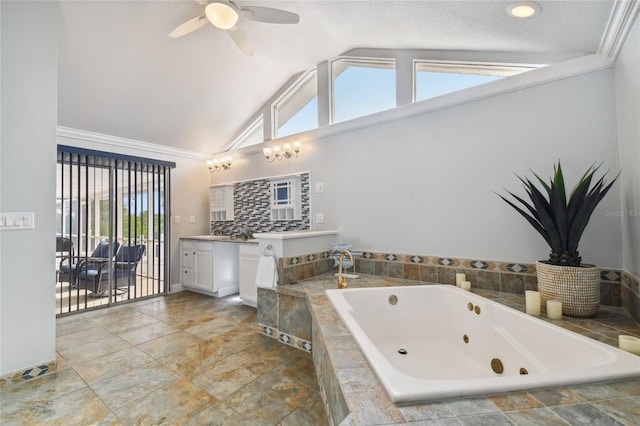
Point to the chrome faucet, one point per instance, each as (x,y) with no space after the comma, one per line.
(342,282)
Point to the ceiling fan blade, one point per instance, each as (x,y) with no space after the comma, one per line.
(241,40)
(269,15)
(189,26)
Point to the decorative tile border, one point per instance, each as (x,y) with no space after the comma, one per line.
(28,374)
(297,268)
(509,277)
(287,339)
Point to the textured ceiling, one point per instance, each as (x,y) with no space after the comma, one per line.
(120,75)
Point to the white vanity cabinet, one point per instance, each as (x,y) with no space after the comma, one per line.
(209,267)
(249,257)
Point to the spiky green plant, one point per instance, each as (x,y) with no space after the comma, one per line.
(561,222)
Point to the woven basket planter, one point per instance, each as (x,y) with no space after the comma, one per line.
(578,288)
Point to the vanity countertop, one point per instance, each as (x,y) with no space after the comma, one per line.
(222,238)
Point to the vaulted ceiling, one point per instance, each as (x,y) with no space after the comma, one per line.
(121,75)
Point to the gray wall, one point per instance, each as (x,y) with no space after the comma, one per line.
(628,104)
(424,184)
(27,183)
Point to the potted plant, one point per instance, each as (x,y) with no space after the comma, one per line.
(561,222)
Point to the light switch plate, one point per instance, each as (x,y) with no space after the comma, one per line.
(319,217)
(17,221)
(176,219)
(319,187)
(192,219)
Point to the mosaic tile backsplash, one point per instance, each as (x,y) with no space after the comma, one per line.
(252,204)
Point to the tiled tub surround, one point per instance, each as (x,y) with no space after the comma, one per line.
(506,277)
(631,295)
(252,209)
(354,396)
(284,315)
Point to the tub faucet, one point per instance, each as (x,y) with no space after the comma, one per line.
(342,282)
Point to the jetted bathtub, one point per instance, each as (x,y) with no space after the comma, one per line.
(437,341)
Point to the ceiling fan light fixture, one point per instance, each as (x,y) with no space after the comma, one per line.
(222,14)
(524,9)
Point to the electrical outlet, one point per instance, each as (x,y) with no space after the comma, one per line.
(192,219)
(319,217)
(319,187)
(176,219)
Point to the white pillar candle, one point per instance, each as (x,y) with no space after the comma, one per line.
(459,278)
(554,309)
(532,302)
(465,285)
(629,343)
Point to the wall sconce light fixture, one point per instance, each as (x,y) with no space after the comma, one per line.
(274,152)
(218,164)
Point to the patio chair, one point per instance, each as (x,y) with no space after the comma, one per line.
(68,272)
(94,276)
(64,253)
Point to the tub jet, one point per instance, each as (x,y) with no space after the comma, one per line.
(402,351)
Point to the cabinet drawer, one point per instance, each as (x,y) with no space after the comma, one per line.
(187,258)
(206,246)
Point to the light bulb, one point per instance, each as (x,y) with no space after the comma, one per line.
(221,14)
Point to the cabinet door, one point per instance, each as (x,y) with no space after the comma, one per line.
(187,277)
(203,270)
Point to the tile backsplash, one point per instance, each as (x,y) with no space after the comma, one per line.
(252,203)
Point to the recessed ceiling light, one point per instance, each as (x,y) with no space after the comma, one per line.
(523,9)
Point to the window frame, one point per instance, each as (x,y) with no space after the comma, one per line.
(291,209)
(361,62)
(290,92)
(247,132)
(458,67)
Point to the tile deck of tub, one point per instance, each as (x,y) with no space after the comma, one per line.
(354,396)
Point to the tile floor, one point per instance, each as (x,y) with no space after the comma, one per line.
(181,359)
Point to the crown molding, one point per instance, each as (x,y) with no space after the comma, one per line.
(623,15)
(118,142)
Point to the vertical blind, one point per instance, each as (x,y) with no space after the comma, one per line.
(118,204)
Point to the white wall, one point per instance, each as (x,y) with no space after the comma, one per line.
(189,183)
(628,107)
(27,179)
(424,184)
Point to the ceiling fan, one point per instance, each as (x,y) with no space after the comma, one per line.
(224,14)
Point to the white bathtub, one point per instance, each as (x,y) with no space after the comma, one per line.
(429,323)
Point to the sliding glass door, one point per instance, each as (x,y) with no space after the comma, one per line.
(112,228)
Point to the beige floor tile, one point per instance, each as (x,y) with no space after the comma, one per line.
(215,327)
(71,409)
(112,364)
(131,323)
(93,349)
(81,337)
(172,404)
(16,398)
(270,398)
(219,414)
(146,333)
(165,345)
(120,390)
